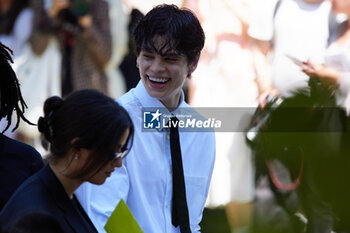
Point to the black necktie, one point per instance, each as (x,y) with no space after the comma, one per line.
(179,211)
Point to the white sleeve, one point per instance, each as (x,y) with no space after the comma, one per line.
(99,201)
(262,25)
(344,89)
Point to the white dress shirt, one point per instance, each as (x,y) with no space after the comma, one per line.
(145,179)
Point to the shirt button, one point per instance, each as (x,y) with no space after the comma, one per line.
(168,137)
(170,172)
(166,206)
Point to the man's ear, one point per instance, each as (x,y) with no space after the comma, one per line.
(191,68)
(137,62)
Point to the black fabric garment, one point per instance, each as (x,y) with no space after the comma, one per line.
(18,161)
(43,195)
(78,206)
(180,216)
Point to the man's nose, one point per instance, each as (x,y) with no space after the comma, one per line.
(157,66)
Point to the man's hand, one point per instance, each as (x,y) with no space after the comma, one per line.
(263,96)
(326,75)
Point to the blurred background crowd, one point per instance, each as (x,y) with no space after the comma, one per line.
(64,45)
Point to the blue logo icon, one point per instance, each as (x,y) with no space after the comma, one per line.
(151,120)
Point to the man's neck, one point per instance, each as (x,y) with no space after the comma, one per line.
(171,105)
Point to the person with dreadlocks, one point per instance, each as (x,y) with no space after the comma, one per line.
(18,161)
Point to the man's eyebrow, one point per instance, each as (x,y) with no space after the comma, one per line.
(172,54)
(166,54)
(148,50)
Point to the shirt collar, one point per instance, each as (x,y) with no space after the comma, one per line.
(148,101)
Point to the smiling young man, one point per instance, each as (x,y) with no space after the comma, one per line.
(168,42)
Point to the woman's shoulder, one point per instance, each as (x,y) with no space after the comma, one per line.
(26,215)
(29,197)
(31,193)
(34,222)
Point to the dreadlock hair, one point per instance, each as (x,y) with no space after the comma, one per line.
(10,94)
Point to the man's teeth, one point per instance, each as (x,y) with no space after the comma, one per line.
(158,80)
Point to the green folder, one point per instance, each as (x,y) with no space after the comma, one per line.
(122,221)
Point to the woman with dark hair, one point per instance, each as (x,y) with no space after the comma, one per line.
(88,134)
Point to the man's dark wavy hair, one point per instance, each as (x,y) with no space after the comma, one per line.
(11,97)
(180,28)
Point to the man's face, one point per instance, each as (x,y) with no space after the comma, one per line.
(164,75)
